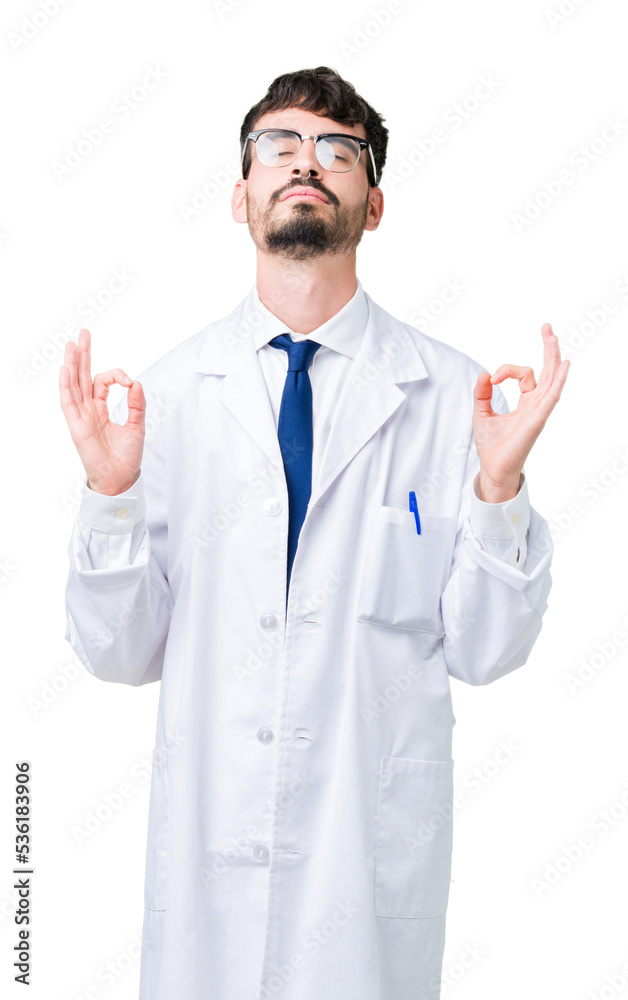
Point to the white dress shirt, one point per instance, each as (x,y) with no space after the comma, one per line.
(340,338)
(501,528)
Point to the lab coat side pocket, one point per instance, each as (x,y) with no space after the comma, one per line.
(155,881)
(414,838)
(404,573)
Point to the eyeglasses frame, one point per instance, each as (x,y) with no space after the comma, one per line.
(323,135)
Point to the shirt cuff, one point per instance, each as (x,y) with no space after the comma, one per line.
(117,514)
(508,519)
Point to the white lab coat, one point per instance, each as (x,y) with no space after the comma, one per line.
(300,817)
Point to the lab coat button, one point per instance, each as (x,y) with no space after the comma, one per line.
(272,505)
(122,512)
(261,853)
(265,735)
(268,622)
(515,519)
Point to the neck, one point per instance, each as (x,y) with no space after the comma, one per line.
(305,294)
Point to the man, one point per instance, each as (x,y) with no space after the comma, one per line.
(300,818)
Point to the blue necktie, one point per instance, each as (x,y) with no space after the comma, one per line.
(294,430)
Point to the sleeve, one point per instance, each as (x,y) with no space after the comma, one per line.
(502,528)
(106,525)
(117,598)
(496,594)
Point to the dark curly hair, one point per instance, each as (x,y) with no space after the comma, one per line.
(322,91)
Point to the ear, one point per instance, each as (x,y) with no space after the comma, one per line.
(376,208)
(238,201)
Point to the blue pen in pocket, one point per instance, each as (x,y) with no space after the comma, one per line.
(414,509)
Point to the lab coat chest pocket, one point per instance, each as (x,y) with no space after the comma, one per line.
(404,573)
(155,882)
(414,837)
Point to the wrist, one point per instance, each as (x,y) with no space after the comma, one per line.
(110,489)
(490,491)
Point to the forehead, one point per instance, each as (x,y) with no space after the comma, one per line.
(306,122)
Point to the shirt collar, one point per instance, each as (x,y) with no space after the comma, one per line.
(343,332)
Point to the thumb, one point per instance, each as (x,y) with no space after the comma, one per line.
(136,404)
(483,394)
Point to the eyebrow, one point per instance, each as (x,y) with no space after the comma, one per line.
(323,132)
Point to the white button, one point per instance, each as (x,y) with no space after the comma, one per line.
(515,519)
(265,735)
(122,512)
(272,505)
(268,622)
(261,853)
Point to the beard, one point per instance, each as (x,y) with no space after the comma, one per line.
(306,233)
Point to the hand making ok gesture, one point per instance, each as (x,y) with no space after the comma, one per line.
(503,440)
(111,453)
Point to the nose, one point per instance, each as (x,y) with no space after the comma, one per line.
(306,160)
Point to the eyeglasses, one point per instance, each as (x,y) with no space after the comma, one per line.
(278,147)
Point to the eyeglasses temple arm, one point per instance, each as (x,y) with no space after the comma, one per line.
(373,165)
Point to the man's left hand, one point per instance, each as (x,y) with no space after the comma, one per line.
(503,440)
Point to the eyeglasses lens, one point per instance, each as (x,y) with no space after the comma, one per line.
(277,148)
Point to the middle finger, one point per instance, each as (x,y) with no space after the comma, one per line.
(84,364)
(551,356)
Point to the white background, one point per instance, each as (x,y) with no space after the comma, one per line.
(453,216)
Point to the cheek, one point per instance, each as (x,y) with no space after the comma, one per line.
(257,198)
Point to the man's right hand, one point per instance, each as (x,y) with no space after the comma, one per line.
(111,453)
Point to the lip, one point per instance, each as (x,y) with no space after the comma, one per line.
(305,193)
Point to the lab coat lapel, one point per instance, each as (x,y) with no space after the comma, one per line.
(229,350)
(370,394)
